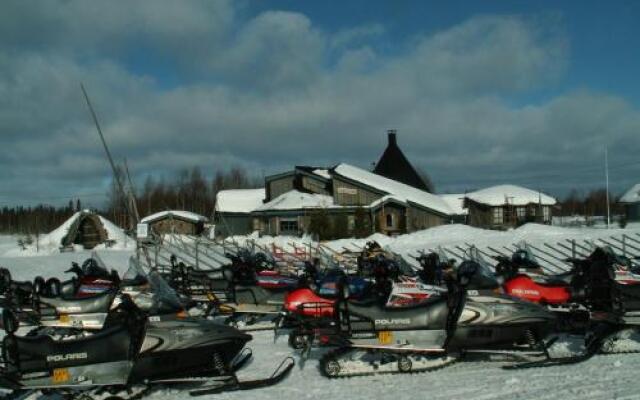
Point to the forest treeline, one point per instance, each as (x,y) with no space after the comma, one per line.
(192,190)
(189,189)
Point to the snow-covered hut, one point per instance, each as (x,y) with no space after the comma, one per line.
(84,229)
(508,206)
(631,202)
(175,221)
(233,209)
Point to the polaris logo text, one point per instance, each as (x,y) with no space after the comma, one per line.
(395,321)
(67,357)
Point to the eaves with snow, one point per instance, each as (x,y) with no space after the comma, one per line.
(397,190)
(239,200)
(295,200)
(178,214)
(455,202)
(511,195)
(632,195)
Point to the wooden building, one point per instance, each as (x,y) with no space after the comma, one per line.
(508,206)
(351,198)
(233,210)
(392,200)
(631,202)
(175,221)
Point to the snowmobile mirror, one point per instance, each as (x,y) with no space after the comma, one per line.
(9,321)
(5,279)
(52,287)
(38,285)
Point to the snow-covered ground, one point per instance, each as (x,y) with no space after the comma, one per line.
(602,377)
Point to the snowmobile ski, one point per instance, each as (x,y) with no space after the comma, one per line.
(232,383)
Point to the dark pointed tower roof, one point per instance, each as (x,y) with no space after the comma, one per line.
(394,165)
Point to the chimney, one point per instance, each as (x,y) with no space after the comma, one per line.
(392,137)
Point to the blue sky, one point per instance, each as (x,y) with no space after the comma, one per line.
(516,92)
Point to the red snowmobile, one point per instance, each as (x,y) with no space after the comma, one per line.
(523,278)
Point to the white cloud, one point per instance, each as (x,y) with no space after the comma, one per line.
(275,90)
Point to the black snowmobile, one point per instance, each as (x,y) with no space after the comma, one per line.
(608,285)
(138,351)
(246,294)
(372,338)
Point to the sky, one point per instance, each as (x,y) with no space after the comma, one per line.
(480,93)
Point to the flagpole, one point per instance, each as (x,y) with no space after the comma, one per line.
(606,174)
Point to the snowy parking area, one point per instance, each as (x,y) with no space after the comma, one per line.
(602,377)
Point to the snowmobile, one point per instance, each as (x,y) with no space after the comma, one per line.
(90,279)
(50,309)
(311,306)
(247,295)
(606,285)
(523,277)
(373,338)
(131,357)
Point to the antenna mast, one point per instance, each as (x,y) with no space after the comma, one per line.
(606,174)
(126,196)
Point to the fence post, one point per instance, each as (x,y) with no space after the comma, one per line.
(624,245)
(573,248)
(197,255)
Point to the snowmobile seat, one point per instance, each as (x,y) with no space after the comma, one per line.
(41,353)
(563,279)
(425,316)
(99,303)
(366,301)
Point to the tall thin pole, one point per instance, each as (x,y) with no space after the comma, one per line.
(106,148)
(606,174)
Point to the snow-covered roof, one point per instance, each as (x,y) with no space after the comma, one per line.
(295,200)
(189,216)
(322,172)
(511,194)
(239,200)
(455,202)
(632,195)
(399,190)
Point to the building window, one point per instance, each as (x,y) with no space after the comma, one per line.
(389,220)
(351,222)
(289,226)
(521,213)
(498,216)
(546,212)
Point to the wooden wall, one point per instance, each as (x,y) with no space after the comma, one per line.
(346,194)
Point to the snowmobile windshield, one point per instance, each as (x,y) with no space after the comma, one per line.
(405,268)
(483,277)
(165,299)
(135,274)
(94,266)
(158,298)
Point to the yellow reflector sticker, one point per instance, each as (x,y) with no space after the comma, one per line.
(385,337)
(61,375)
(64,318)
